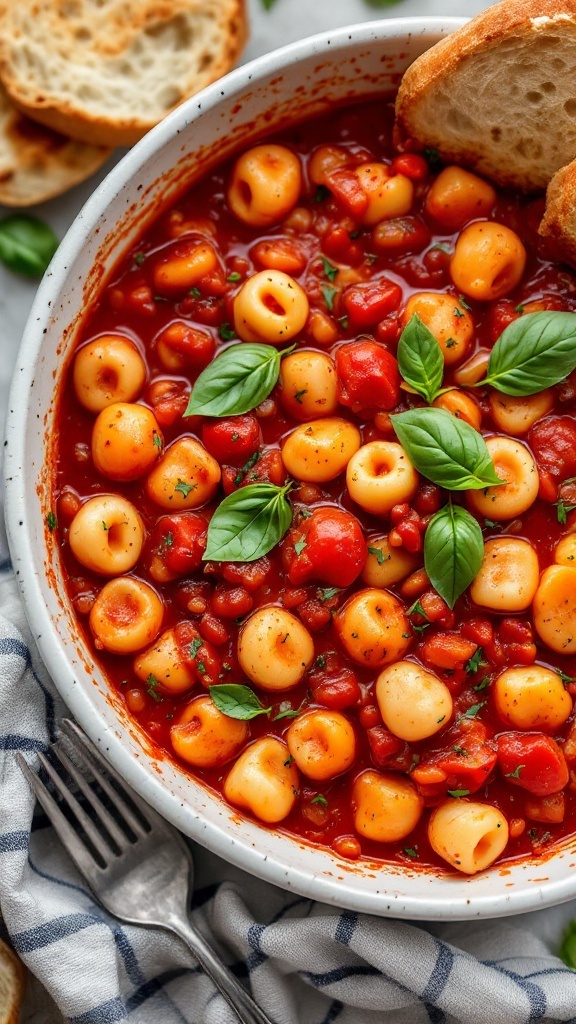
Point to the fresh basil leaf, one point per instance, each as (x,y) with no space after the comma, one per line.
(26,244)
(446,450)
(236,381)
(248,523)
(533,353)
(237,701)
(453,551)
(420,359)
(567,951)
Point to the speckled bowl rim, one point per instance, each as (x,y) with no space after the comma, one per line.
(364,886)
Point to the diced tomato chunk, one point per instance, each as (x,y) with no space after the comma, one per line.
(366,304)
(383,744)
(466,758)
(328,545)
(368,377)
(232,440)
(264,466)
(347,190)
(198,653)
(334,684)
(448,650)
(532,761)
(553,443)
(177,544)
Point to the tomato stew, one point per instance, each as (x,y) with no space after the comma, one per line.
(405,697)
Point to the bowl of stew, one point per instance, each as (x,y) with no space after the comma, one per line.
(297,553)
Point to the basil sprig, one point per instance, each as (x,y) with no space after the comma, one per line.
(420,359)
(237,701)
(533,353)
(27,244)
(248,523)
(445,449)
(236,381)
(453,551)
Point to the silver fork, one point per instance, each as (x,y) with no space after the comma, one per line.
(136,864)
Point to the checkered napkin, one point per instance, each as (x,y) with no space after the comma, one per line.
(305,962)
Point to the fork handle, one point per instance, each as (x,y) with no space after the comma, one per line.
(247,1011)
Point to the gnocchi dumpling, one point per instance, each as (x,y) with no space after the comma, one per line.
(413,702)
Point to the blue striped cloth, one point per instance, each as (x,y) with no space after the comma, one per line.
(306,963)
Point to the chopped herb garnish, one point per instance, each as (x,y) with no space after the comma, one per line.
(343,321)
(151,684)
(105,527)
(234,276)
(416,609)
(183,488)
(379,555)
(320,662)
(299,546)
(195,293)
(51,521)
(562,511)
(328,592)
(476,661)
(329,269)
(139,258)
(461,751)
(226,332)
(329,296)
(287,711)
(247,465)
(457,793)
(516,773)
(319,799)
(410,851)
(195,647)
(473,711)
(482,684)
(157,441)
(298,395)
(563,676)
(463,302)
(289,761)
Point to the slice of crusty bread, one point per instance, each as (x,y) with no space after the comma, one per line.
(499,94)
(11,985)
(558,224)
(37,163)
(106,71)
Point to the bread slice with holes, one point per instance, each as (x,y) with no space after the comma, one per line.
(37,163)
(11,985)
(499,94)
(106,71)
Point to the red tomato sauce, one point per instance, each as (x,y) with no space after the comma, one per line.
(217,597)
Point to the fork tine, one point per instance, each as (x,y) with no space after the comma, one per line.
(102,812)
(83,746)
(95,837)
(70,839)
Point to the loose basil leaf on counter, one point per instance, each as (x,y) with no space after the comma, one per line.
(533,353)
(237,701)
(26,244)
(420,359)
(567,951)
(445,449)
(248,523)
(236,381)
(453,551)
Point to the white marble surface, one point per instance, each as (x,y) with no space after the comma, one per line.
(288,20)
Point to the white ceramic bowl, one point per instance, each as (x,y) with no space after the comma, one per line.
(285,86)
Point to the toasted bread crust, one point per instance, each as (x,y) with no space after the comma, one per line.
(558,224)
(107,73)
(12,979)
(482,96)
(37,163)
